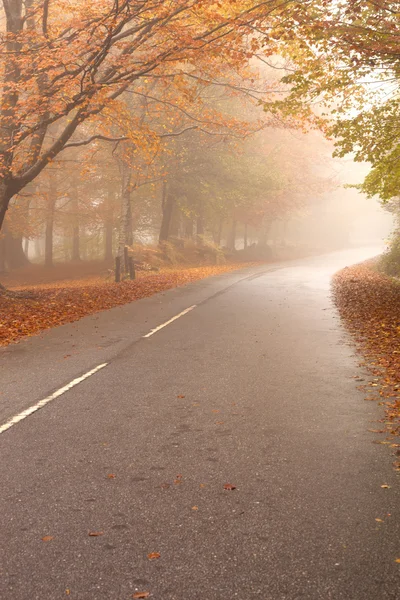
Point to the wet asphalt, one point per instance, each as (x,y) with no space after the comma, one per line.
(252,390)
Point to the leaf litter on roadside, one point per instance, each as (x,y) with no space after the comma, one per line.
(65,303)
(369,304)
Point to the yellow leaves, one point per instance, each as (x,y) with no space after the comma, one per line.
(397,560)
(385,486)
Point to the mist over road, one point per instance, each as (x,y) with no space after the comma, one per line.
(244,379)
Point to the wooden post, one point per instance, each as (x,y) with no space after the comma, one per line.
(132,273)
(117,269)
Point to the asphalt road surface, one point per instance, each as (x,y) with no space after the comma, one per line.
(252,387)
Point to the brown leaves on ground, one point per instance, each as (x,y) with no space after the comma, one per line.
(369,303)
(47,538)
(229,486)
(141,595)
(58,304)
(153,555)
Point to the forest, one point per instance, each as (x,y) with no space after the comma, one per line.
(200,299)
(178,125)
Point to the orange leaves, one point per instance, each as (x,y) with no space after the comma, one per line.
(153,555)
(369,303)
(229,486)
(47,538)
(95,533)
(58,305)
(141,595)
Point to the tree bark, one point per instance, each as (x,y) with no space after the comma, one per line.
(168,203)
(125,229)
(108,227)
(188,228)
(232,236)
(49,231)
(12,254)
(263,233)
(200,229)
(76,256)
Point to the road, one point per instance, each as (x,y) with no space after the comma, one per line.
(253,387)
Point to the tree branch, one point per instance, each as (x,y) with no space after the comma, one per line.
(92,139)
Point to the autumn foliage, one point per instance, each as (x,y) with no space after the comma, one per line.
(369,303)
(60,304)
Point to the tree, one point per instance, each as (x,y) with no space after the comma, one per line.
(345,76)
(64,63)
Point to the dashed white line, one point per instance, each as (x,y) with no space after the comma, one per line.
(32,409)
(153,331)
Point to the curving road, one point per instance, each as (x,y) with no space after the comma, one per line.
(133,438)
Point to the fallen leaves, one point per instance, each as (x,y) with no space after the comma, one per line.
(385,486)
(95,533)
(141,595)
(153,555)
(229,486)
(47,538)
(369,304)
(59,304)
(397,560)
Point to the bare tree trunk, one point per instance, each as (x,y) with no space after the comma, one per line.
(217,233)
(108,227)
(2,253)
(263,233)
(188,224)
(125,229)
(168,203)
(200,229)
(76,256)
(232,236)
(51,204)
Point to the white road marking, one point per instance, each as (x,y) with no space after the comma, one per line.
(153,331)
(32,409)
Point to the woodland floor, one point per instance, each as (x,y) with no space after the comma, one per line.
(70,292)
(369,304)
